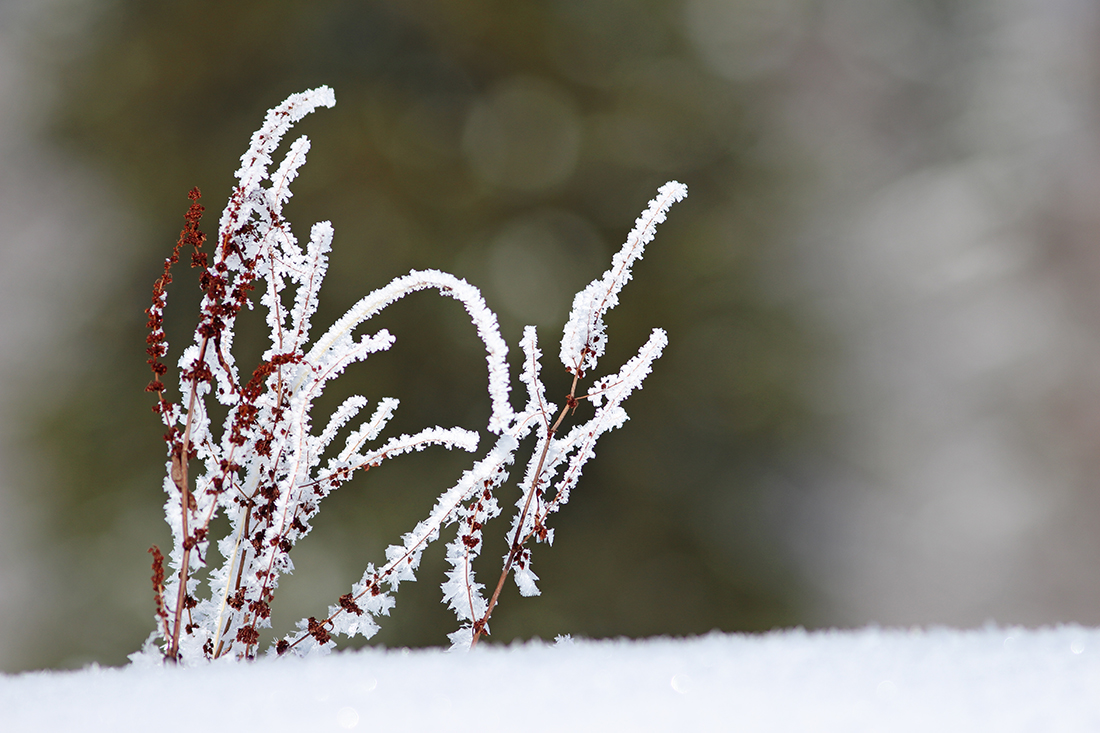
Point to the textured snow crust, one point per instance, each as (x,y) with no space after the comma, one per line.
(1003,679)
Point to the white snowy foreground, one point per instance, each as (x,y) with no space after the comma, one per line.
(871,680)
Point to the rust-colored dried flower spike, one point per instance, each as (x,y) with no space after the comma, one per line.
(192,236)
(158,586)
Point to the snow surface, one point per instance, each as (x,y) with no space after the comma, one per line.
(1003,679)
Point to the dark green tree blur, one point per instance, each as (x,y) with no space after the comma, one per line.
(511,142)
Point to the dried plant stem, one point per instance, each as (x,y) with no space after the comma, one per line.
(179,471)
(241,532)
(518,541)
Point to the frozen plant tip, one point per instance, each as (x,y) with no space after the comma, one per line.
(267,470)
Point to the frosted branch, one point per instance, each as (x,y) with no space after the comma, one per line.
(585,338)
(262,470)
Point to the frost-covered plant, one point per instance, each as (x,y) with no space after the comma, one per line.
(265,470)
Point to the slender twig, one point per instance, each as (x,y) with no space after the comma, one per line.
(517,544)
(179,471)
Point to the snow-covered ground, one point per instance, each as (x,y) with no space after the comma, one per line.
(954,252)
(1002,679)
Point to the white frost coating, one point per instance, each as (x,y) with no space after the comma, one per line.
(574,449)
(312,266)
(263,470)
(280,193)
(452,437)
(584,339)
(345,412)
(254,162)
(537,404)
(608,417)
(461,591)
(488,330)
(369,430)
(525,577)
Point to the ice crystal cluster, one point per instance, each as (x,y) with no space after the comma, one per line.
(268,470)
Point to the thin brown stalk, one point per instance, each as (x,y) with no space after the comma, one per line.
(180,462)
(517,542)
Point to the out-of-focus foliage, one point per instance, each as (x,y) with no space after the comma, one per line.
(510,142)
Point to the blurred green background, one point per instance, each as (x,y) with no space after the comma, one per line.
(512,143)
(880,400)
